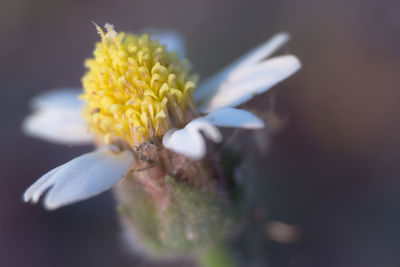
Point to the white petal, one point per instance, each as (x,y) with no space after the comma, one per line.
(34,192)
(232,117)
(208,88)
(242,85)
(262,51)
(62,98)
(189,141)
(58,126)
(81,178)
(57,118)
(172,39)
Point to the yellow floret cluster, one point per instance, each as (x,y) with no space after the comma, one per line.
(135,89)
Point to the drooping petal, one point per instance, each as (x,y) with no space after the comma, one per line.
(208,88)
(57,126)
(81,178)
(62,98)
(189,141)
(172,39)
(233,117)
(241,85)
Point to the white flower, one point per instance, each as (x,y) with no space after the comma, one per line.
(57,118)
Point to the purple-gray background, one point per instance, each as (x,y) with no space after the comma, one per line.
(333,170)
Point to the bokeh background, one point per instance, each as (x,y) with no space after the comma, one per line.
(332,171)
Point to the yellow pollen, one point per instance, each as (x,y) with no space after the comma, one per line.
(135,89)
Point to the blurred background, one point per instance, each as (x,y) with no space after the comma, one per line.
(332,171)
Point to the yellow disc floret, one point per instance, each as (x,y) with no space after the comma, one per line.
(135,88)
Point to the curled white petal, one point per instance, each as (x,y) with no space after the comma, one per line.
(81,178)
(236,118)
(172,39)
(57,126)
(240,86)
(208,88)
(189,141)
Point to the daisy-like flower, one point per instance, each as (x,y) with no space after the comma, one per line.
(139,95)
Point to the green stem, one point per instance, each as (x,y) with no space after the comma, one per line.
(216,256)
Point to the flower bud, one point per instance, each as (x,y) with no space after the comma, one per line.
(171,205)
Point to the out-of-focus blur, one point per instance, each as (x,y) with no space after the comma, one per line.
(329,190)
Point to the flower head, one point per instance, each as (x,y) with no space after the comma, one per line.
(141,108)
(137,91)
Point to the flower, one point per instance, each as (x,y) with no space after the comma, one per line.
(136,91)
